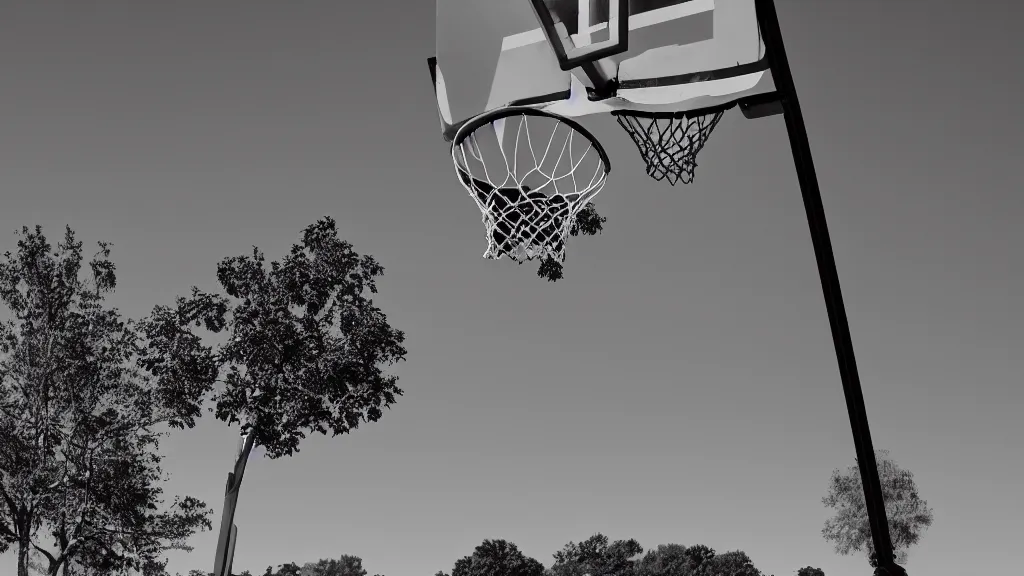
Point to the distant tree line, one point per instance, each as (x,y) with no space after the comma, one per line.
(595,556)
(346,565)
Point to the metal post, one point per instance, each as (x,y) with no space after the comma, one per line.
(231,550)
(781,74)
(224,555)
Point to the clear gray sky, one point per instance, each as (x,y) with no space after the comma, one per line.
(680,384)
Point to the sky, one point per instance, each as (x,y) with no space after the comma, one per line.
(679,385)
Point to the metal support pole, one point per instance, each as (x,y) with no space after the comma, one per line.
(225,553)
(776,53)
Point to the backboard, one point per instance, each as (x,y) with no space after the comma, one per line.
(682,55)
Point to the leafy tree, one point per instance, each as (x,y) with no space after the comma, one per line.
(588,222)
(665,560)
(305,350)
(496,558)
(596,557)
(344,566)
(908,514)
(700,555)
(735,563)
(131,535)
(697,560)
(290,569)
(81,391)
(675,560)
(810,571)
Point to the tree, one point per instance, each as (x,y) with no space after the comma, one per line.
(290,569)
(697,560)
(700,556)
(908,514)
(675,560)
(735,563)
(496,558)
(81,391)
(305,350)
(344,566)
(594,556)
(130,535)
(809,571)
(588,222)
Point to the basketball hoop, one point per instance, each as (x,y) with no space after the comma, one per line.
(530,186)
(669,141)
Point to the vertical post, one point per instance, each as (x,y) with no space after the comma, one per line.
(782,75)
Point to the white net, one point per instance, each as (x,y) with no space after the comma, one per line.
(530,174)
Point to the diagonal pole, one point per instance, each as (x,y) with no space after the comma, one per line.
(225,542)
(782,75)
(231,549)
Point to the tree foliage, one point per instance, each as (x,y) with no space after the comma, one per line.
(667,560)
(675,560)
(496,558)
(345,566)
(81,392)
(305,349)
(849,530)
(306,345)
(289,569)
(596,557)
(696,560)
(810,571)
(587,222)
(735,563)
(130,534)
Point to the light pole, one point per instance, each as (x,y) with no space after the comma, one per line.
(776,52)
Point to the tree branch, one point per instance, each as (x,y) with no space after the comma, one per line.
(77,539)
(45,553)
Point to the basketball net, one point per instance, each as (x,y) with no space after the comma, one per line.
(529,197)
(669,142)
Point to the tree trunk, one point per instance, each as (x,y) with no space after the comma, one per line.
(24,524)
(23,549)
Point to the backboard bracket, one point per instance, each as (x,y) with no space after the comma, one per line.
(761,105)
(604,87)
